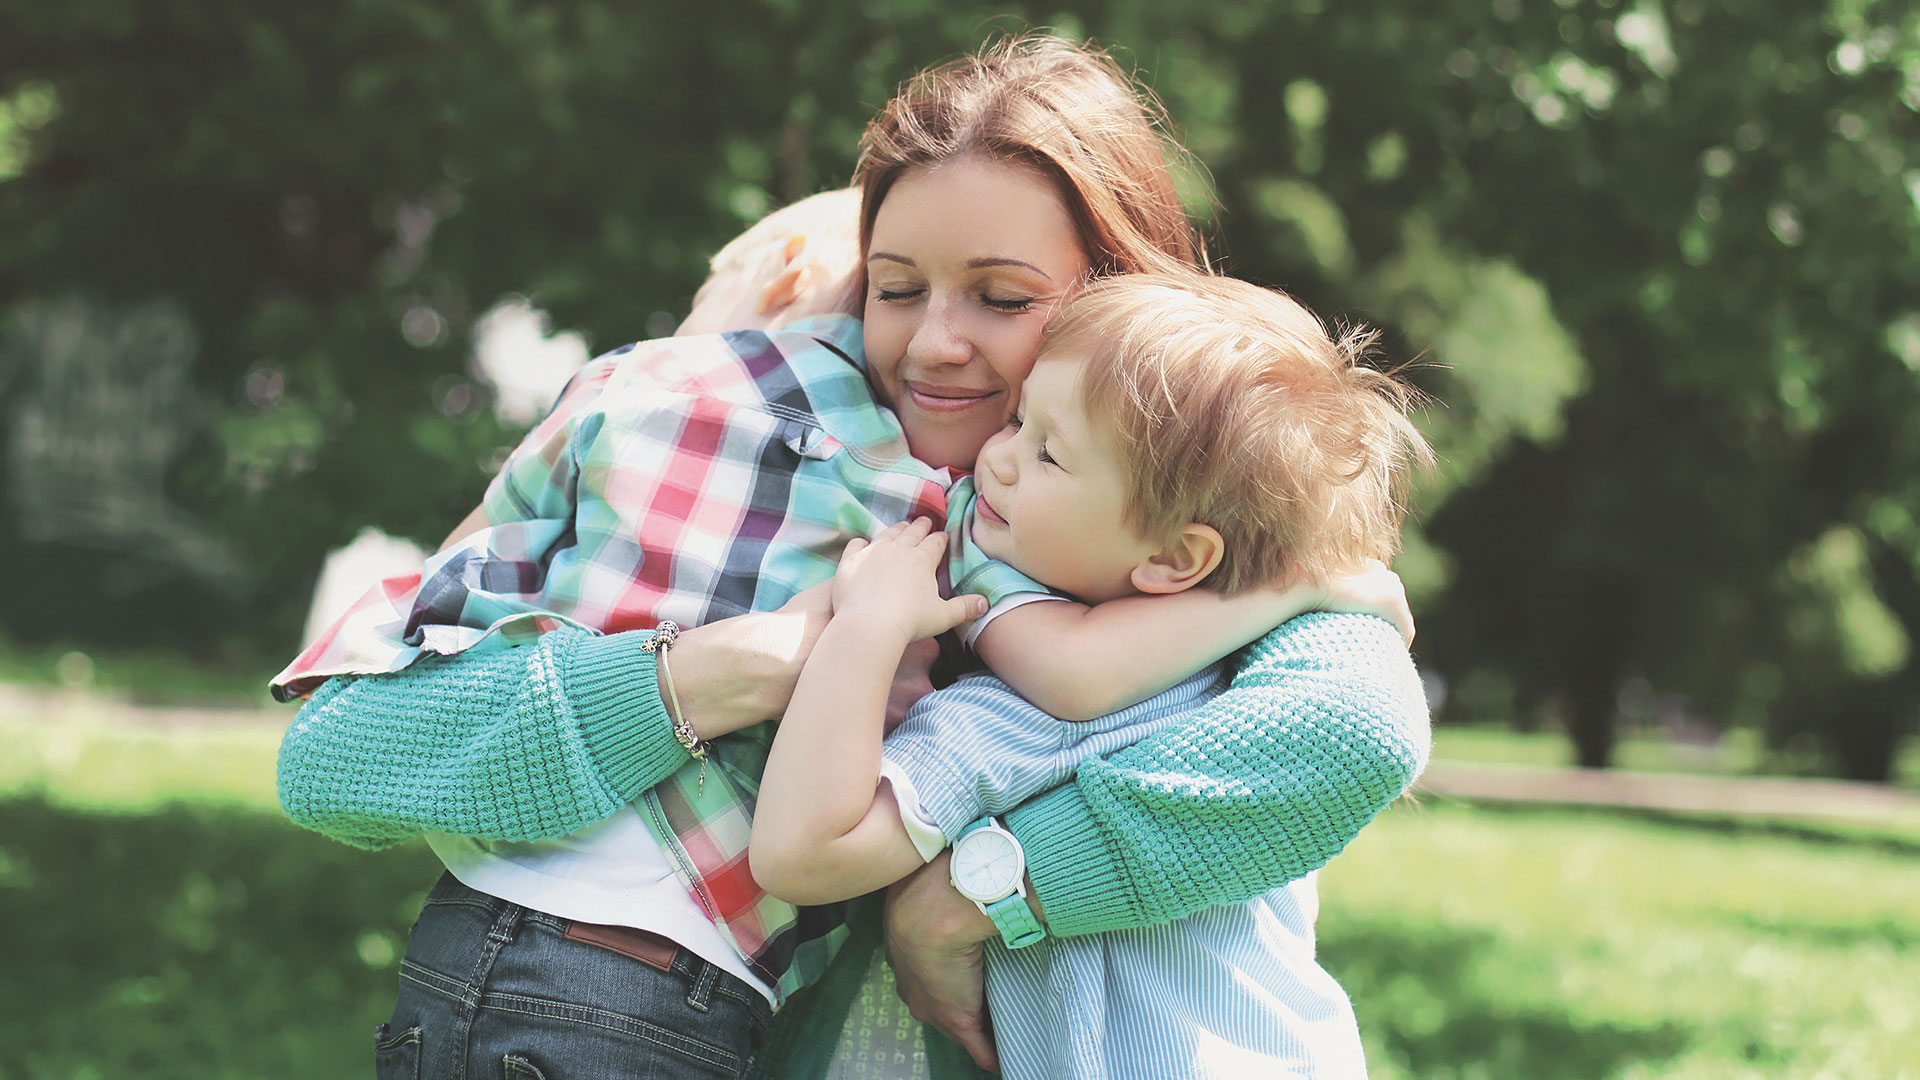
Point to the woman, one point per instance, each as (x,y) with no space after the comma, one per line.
(989,188)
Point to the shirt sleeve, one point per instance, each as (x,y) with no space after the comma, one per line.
(521,744)
(1324,725)
(485,588)
(970,570)
(978,748)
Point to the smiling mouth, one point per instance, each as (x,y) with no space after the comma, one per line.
(986,509)
(947,398)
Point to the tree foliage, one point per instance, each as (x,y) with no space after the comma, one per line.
(1656,262)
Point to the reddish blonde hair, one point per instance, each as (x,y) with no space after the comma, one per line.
(1064,110)
(1232,406)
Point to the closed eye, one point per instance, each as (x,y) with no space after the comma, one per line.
(895,296)
(1014,305)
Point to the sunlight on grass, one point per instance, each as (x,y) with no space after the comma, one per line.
(75,760)
(184,928)
(1739,752)
(1541,943)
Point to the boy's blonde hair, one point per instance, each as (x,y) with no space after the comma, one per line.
(1067,112)
(830,225)
(1232,406)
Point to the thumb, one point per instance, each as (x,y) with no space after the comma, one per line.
(965,607)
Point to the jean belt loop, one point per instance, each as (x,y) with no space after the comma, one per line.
(504,926)
(701,993)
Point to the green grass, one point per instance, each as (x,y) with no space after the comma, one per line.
(152,675)
(1738,753)
(1523,943)
(166,922)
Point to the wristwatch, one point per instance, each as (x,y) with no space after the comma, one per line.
(990,868)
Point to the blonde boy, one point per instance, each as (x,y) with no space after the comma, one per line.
(1177,432)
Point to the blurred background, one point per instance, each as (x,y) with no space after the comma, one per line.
(278,280)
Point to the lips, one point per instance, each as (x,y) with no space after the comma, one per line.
(932,397)
(986,509)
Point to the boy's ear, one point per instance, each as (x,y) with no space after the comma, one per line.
(1182,564)
(788,285)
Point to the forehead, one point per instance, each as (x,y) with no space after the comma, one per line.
(1052,395)
(971,208)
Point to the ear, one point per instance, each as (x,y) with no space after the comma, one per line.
(1182,564)
(788,284)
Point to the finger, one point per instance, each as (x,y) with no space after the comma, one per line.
(979,1046)
(854,547)
(934,543)
(892,531)
(917,529)
(965,607)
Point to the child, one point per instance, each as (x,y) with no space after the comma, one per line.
(1175,432)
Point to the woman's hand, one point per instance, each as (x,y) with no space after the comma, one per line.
(741,671)
(934,938)
(1371,590)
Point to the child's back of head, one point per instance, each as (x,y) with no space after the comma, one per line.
(1233,406)
(802,259)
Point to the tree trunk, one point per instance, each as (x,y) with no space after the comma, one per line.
(1594,670)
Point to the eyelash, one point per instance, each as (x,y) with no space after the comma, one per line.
(1045,458)
(897,296)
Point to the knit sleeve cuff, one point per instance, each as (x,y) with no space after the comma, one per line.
(1078,876)
(615,697)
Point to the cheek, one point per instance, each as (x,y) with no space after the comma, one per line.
(1015,351)
(884,341)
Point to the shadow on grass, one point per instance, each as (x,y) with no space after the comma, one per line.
(1838,834)
(1436,1002)
(195,942)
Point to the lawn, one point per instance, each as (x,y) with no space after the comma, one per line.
(165,922)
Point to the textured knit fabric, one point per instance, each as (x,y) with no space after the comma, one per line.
(1227,992)
(688,479)
(1270,749)
(1325,723)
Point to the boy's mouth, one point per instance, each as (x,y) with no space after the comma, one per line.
(986,508)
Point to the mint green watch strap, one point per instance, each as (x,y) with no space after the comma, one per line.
(1010,914)
(1018,927)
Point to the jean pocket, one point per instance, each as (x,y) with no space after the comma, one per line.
(396,1056)
(519,1068)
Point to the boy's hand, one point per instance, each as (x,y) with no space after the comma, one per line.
(1371,590)
(891,581)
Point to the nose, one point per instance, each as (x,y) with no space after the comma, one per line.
(937,340)
(998,458)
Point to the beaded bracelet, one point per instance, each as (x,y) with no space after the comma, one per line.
(659,645)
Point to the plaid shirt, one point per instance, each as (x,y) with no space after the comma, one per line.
(688,479)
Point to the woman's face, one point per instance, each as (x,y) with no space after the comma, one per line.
(967,260)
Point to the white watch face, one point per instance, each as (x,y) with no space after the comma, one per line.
(987,865)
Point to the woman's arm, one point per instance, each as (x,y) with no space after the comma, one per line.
(1324,726)
(538,741)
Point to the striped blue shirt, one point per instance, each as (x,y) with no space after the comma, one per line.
(1228,992)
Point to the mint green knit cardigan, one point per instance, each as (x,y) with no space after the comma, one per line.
(1323,726)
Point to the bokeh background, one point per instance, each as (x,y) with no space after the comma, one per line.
(277,278)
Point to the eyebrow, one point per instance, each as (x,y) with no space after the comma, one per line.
(983,263)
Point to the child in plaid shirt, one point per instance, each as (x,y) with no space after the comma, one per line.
(1176,433)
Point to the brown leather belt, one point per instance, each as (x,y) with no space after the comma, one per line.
(654,950)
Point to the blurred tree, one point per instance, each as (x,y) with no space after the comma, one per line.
(1657,259)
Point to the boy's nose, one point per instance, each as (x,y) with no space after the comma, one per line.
(997,457)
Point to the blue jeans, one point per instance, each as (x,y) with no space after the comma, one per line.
(492,990)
